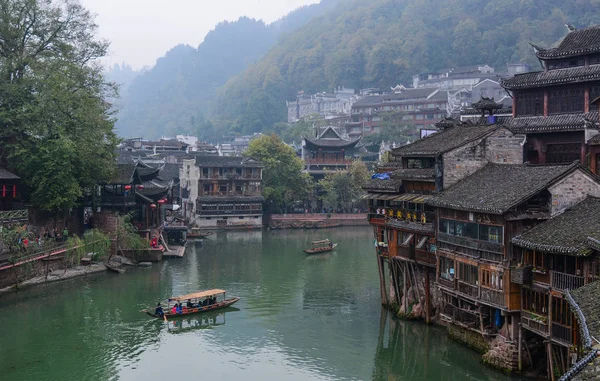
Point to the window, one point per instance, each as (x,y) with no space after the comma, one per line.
(565,100)
(472,230)
(562,153)
(530,103)
(492,279)
(465,229)
(468,273)
(535,302)
(490,233)
(205,172)
(561,312)
(446,268)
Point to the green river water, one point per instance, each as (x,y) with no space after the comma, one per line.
(300,318)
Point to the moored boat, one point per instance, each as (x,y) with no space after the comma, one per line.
(321,246)
(196,302)
(196,233)
(240,227)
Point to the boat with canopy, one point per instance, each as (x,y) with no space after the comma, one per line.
(202,301)
(321,246)
(197,233)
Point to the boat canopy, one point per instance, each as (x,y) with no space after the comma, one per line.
(320,242)
(198,295)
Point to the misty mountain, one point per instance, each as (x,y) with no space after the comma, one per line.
(381,43)
(174,95)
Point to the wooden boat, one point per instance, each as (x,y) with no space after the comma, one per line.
(200,300)
(321,246)
(196,233)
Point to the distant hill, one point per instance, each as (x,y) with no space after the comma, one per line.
(380,43)
(174,95)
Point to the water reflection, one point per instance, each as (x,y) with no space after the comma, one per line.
(205,320)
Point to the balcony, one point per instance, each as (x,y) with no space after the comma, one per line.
(117,201)
(468,289)
(494,297)
(535,322)
(521,275)
(230,194)
(446,283)
(230,176)
(228,212)
(407,252)
(14,215)
(471,247)
(425,257)
(327,161)
(563,282)
(562,333)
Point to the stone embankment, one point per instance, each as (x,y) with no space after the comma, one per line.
(316,220)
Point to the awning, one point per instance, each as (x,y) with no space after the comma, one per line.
(197,295)
(418,198)
(381,196)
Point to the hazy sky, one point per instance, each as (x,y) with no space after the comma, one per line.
(140,31)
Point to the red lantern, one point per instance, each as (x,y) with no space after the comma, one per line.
(161,201)
(3,190)
(140,187)
(153,206)
(127,187)
(14,191)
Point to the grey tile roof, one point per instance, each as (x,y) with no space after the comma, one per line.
(225,161)
(383,185)
(169,172)
(334,143)
(552,77)
(577,42)
(552,123)
(496,188)
(7,175)
(446,140)
(595,140)
(414,174)
(587,299)
(373,100)
(566,233)
(124,174)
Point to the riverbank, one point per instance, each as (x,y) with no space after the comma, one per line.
(316,220)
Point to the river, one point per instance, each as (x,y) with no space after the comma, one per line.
(299,318)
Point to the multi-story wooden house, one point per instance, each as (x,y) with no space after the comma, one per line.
(553,258)
(329,151)
(552,106)
(219,191)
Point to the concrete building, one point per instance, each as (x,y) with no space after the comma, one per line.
(326,105)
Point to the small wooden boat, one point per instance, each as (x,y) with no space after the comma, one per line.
(321,246)
(240,227)
(201,301)
(196,233)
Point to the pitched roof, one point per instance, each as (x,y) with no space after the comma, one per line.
(496,187)
(6,175)
(423,174)
(390,185)
(577,42)
(552,123)
(552,77)
(566,233)
(124,174)
(586,298)
(407,94)
(334,143)
(204,160)
(446,140)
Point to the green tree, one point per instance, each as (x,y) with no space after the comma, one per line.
(57,131)
(283,180)
(337,190)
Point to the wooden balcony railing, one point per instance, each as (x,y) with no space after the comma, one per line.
(446,283)
(328,161)
(230,176)
(468,289)
(425,257)
(231,193)
(472,247)
(562,333)
(564,282)
(535,322)
(495,297)
(407,252)
(14,215)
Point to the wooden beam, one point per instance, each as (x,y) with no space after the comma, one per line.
(427,299)
(520,348)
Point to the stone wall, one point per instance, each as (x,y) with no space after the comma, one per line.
(503,355)
(572,190)
(502,146)
(469,338)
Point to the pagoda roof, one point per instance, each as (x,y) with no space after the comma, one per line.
(485,104)
(552,77)
(330,138)
(496,188)
(566,233)
(576,43)
(7,175)
(553,123)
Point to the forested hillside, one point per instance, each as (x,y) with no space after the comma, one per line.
(173,96)
(380,43)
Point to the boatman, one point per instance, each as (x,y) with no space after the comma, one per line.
(159,311)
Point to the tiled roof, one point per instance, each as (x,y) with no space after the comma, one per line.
(552,77)
(446,140)
(383,185)
(496,188)
(124,174)
(473,111)
(566,233)
(337,143)
(414,174)
(169,172)
(577,42)
(586,298)
(595,140)
(552,123)
(373,100)
(7,175)
(225,161)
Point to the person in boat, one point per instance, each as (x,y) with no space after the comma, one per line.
(179,308)
(189,304)
(174,309)
(330,244)
(159,310)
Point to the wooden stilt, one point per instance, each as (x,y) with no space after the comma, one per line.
(394,274)
(550,362)
(481,320)
(520,348)
(405,291)
(427,299)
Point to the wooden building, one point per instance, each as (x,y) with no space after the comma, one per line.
(11,205)
(329,151)
(220,191)
(553,258)
(552,106)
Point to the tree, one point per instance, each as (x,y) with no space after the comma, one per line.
(283,180)
(337,190)
(57,131)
